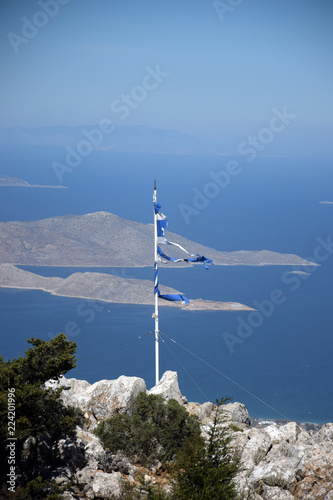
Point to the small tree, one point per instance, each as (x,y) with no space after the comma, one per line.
(40,414)
(154,431)
(205,469)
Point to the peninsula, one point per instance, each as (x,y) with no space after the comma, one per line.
(104,287)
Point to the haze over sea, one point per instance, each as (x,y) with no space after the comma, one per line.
(273,204)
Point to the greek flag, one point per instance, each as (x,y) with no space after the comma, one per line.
(169,296)
(161,225)
(161,222)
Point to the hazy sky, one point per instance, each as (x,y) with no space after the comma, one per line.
(222,67)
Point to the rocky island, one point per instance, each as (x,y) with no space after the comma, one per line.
(104,239)
(104,287)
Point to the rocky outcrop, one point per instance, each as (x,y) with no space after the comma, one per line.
(279,460)
(102,399)
(168,387)
(286,461)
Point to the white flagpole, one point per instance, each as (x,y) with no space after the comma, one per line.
(157,370)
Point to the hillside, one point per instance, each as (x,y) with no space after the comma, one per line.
(104,239)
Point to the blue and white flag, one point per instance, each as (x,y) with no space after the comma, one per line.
(161,222)
(169,296)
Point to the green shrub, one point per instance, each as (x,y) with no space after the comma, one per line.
(154,431)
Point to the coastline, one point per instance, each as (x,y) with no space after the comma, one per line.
(105,288)
(164,266)
(195,304)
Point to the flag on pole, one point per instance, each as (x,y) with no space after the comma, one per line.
(162,222)
(169,296)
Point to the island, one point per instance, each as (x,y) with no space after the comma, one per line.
(102,239)
(105,287)
(7,181)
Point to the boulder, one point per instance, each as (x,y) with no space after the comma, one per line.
(257,444)
(280,473)
(105,485)
(236,413)
(102,399)
(202,411)
(98,484)
(108,397)
(74,392)
(168,387)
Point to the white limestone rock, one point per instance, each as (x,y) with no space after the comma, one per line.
(205,410)
(74,392)
(275,493)
(102,399)
(93,449)
(286,461)
(108,397)
(98,484)
(105,485)
(279,473)
(193,408)
(257,444)
(278,462)
(236,413)
(168,387)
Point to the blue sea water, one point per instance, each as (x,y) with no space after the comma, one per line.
(272,204)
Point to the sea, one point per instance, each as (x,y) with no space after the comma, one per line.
(278,360)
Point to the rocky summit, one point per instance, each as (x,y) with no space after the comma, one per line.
(279,460)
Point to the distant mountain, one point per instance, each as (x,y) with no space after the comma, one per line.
(125,138)
(104,239)
(7,181)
